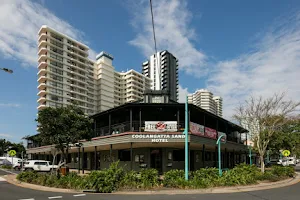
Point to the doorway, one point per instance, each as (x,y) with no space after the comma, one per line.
(156,159)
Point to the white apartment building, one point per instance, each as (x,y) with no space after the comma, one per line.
(162,69)
(67,75)
(206,100)
(219,105)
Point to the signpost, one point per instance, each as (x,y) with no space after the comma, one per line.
(286,153)
(219,141)
(186,130)
(12,153)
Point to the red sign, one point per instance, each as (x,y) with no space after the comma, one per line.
(196,129)
(211,133)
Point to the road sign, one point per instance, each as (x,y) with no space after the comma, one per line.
(12,153)
(286,153)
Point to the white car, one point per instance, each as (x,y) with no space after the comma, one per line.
(287,161)
(39,166)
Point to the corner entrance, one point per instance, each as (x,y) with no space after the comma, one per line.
(156,159)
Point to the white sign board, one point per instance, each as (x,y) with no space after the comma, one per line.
(160,126)
(158,137)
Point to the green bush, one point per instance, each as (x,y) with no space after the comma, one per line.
(268,175)
(149,178)
(6,167)
(205,177)
(130,180)
(282,171)
(175,178)
(242,174)
(27,177)
(104,181)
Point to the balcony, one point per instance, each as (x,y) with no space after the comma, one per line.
(42,58)
(42,86)
(42,65)
(41,100)
(42,36)
(42,79)
(42,51)
(42,43)
(42,72)
(42,106)
(42,93)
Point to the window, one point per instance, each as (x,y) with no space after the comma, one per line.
(124,155)
(56,57)
(207,156)
(178,155)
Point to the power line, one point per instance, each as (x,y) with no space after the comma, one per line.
(153,26)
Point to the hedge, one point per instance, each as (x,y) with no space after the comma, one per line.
(116,178)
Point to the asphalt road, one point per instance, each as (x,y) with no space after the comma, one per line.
(11,192)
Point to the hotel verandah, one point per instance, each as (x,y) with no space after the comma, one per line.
(131,133)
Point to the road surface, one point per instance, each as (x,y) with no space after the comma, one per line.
(12,192)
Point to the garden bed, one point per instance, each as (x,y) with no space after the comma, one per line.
(116,178)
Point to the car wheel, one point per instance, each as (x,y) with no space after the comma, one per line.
(29,170)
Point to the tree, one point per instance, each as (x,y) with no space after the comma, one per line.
(287,138)
(5,145)
(63,126)
(263,118)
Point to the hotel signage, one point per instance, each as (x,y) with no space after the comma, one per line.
(211,133)
(197,129)
(158,137)
(160,126)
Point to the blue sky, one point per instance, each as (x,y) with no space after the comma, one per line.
(234,48)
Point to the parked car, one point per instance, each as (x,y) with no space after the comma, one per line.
(289,161)
(39,166)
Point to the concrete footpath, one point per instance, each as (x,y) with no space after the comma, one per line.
(260,186)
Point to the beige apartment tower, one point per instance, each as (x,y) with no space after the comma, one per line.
(205,99)
(66,75)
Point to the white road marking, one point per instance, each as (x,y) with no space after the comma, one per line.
(26,199)
(2,179)
(57,197)
(8,171)
(79,195)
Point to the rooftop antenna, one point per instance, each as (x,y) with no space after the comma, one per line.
(153,26)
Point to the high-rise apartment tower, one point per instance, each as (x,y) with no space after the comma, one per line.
(67,75)
(206,100)
(162,69)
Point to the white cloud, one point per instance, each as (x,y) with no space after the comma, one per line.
(5,135)
(20,22)
(182,92)
(273,66)
(173,32)
(14,105)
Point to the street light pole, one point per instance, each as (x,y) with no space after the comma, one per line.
(250,154)
(219,153)
(186,130)
(7,70)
